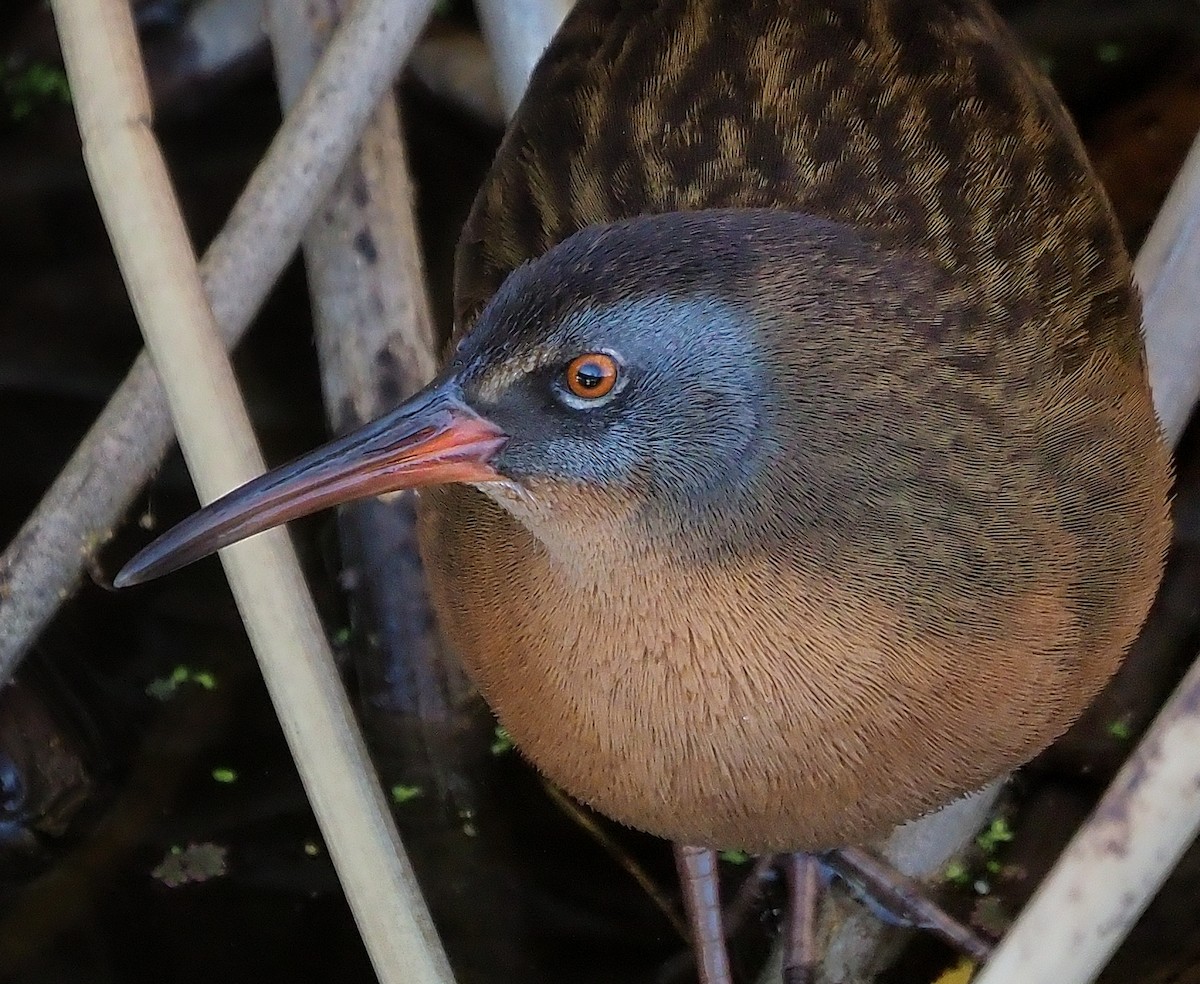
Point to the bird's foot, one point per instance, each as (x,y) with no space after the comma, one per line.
(899,900)
(889,894)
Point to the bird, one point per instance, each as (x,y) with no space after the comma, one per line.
(793,468)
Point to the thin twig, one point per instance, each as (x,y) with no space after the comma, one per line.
(41,567)
(623,858)
(151,242)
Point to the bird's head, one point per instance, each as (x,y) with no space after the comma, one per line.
(639,367)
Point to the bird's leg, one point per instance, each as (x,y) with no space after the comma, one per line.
(800,939)
(903,899)
(702,900)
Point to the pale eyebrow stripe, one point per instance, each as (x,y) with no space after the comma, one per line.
(499,378)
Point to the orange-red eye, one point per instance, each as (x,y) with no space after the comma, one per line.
(592,376)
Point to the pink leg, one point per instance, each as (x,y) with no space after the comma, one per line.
(800,939)
(702,900)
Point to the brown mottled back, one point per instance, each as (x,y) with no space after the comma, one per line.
(922,119)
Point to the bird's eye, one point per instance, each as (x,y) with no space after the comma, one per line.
(592,376)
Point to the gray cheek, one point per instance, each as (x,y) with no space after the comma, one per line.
(610,458)
(688,426)
(706,452)
(677,444)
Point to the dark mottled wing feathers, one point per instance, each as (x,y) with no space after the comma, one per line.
(922,120)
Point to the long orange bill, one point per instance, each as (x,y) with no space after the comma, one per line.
(432,439)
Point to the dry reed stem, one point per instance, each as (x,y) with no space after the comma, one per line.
(1168,271)
(517,32)
(1116,862)
(151,243)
